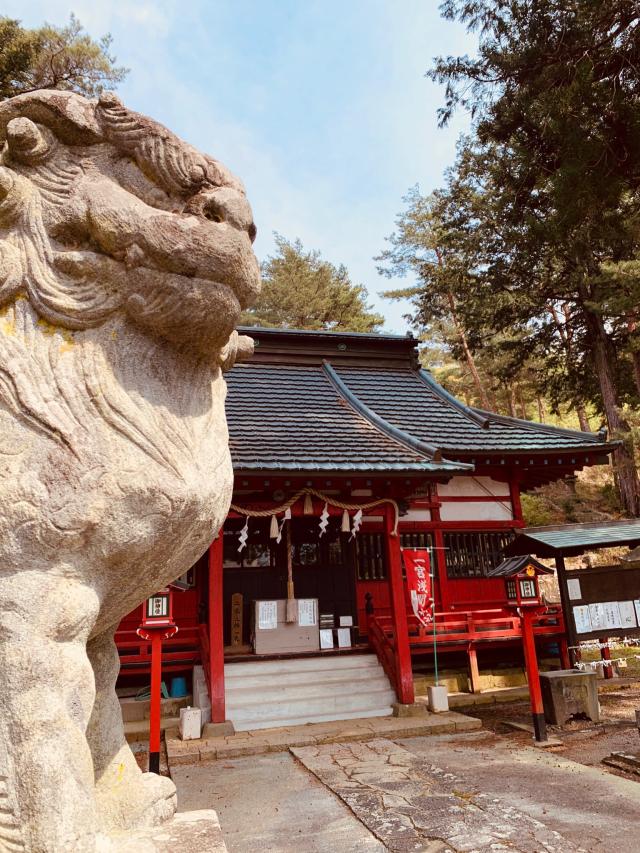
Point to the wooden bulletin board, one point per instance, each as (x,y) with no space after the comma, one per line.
(604,601)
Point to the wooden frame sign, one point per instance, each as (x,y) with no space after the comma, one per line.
(604,601)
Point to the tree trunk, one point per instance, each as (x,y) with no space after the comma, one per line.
(632,327)
(604,357)
(541,410)
(581,412)
(523,405)
(512,402)
(567,343)
(484,399)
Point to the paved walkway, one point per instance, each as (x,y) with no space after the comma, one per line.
(413,805)
(262,741)
(441,794)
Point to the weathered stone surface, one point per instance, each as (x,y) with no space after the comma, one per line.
(188,832)
(566,692)
(125,259)
(412,805)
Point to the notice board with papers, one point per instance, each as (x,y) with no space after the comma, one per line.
(604,601)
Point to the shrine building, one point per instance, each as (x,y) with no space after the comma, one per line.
(345,452)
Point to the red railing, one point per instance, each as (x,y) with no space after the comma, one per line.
(382,641)
(457,630)
(475,626)
(179,653)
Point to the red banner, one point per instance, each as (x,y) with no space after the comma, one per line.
(418,568)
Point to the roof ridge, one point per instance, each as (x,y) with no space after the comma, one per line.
(465,410)
(535,426)
(432,454)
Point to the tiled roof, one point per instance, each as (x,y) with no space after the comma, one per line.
(319,401)
(574,539)
(415,403)
(292,418)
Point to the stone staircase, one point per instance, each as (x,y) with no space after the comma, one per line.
(292,692)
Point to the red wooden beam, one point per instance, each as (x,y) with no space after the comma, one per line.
(404,671)
(216,634)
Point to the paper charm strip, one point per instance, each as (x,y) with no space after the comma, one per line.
(244,535)
(286,517)
(324,519)
(355,524)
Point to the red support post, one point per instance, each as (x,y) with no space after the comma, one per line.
(533,675)
(565,660)
(404,671)
(216,635)
(155,702)
(605,654)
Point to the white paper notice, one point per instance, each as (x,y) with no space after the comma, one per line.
(598,618)
(611,614)
(307,615)
(573,586)
(627,614)
(636,604)
(582,618)
(326,638)
(267,615)
(346,621)
(344,637)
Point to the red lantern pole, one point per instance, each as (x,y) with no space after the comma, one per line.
(155,710)
(157,625)
(533,674)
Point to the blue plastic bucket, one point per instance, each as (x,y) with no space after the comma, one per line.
(178,687)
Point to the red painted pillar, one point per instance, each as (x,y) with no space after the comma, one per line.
(404,672)
(155,702)
(533,675)
(605,654)
(216,636)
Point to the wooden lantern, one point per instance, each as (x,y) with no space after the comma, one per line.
(521,578)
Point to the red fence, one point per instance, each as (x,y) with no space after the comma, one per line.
(461,631)
(179,653)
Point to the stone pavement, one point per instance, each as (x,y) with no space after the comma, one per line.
(411,804)
(262,741)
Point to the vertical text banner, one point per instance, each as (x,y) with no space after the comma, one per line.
(418,568)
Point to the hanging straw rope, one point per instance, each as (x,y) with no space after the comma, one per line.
(265,513)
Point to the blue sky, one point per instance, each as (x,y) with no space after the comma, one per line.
(320,106)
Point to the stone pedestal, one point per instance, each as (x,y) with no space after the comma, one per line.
(188,832)
(566,692)
(438,698)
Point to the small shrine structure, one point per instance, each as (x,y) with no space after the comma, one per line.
(346,451)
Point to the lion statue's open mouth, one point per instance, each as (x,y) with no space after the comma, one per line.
(104,210)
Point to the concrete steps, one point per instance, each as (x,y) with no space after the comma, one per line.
(296,691)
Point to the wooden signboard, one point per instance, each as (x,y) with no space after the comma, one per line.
(236,619)
(604,601)
(273,634)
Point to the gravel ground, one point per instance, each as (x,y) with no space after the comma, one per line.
(583,741)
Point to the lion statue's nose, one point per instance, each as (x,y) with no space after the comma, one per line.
(223,205)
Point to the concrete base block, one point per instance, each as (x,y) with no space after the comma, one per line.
(418,709)
(567,692)
(190,723)
(438,698)
(218,729)
(188,832)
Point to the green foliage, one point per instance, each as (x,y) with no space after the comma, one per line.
(300,290)
(535,511)
(51,57)
(537,224)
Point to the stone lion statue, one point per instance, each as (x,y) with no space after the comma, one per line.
(125,260)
